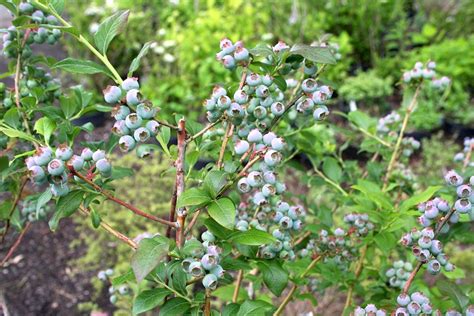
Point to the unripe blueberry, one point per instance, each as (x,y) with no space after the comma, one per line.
(102,276)
(436,247)
(123,289)
(309,85)
(424,255)
(145,111)
(278,108)
(414,308)
(208,236)
(218,91)
(112,94)
(223,102)
(272,157)
(133,121)
(398,264)
(218,271)
(210,104)
(425,242)
(113,299)
(255,136)
(141,134)
(120,128)
(55,167)
(408,266)
(401,311)
(320,113)
(209,261)
(240,97)
(449,267)
(195,269)
(305,106)
(236,110)
(59,189)
(36,174)
(51,19)
(37,16)
(454,218)
(268,190)
(76,162)
(269,177)
(268,137)
(103,166)
(64,152)
(98,154)
(253,80)
(243,185)
(463,206)
(127,143)
(278,144)
(262,91)
(452,178)
(87,154)
(120,112)
(25,8)
(42,156)
(30,162)
(286,222)
(390,273)
(297,224)
(280,187)
(185,264)
(434,267)
(130,83)
(241,54)
(133,97)
(259,198)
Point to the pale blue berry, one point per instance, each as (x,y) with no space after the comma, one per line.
(269,177)
(268,190)
(218,271)
(240,97)
(98,154)
(223,102)
(309,85)
(229,62)
(133,121)
(286,222)
(241,54)
(127,143)
(76,162)
(463,206)
(141,134)
(272,157)
(260,112)
(112,94)
(218,92)
(243,185)
(268,137)
(253,80)
(196,269)
(305,106)
(320,113)
(130,83)
(226,46)
(133,97)
(278,144)
(59,190)
(36,174)
(120,112)
(262,91)
(120,128)
(267,80)
(55,167)
(449,267)
(208,236)
(145,111)
(209,261)
(255,136)
(64,152)
(103,166)
(453,178)
(87,154)
(434,267)
(464,191)
(259,198)
(278,108)
(42,156)
(401,311)
(414,308)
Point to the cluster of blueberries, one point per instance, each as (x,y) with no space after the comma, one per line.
(13,38)
(104,276)
(28,211)
(414,304)
(232,54)
(359,223)
(134,117)
(468,147)
(465,196)
(420,72)
(409,145)
(46,166)
(388,123)
(204,261)
(398,274)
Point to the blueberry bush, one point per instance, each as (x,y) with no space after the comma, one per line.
(274,213)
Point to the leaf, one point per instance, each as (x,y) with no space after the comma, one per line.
(13,133)
(65,207)
(108,29)
(44,198)
(215,180)
(45,126)
(386,241)
(3,163)
(360,119)
(332,169)
(254,308)
(136,61)
(9,5)
(274,276)
(454,292)
(223,212)
(322,55)
(95,218)
(148,255)
(218,231)
(79,66)
(12,117)
(261,50)
(121,279)
(280,82)
(175,306)
(148,300)
(419,198)
(193,197)
(230,309)
(252,237)
(57,5)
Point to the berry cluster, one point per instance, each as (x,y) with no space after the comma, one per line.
(413,304)
(398,274)
(204,261)
(468,148)
(369,310)
(17,41)
(104,276)
(420,72)
(359,224)
(46,166)
(134,117)
(388,123)
(232,55)
(28,211)
(409,146)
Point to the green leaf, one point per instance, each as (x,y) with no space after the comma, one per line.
(3,163)
(215,180)
(254,308)
(121,279)
(65,207)
(45,126)
(332,169)
(274,276)
(193,197)
(44,198)
(386,241)
(79,66)
(148,300)
(218,231)
(419,198)
(280,82)
(261,50)
(68,106)
(360,119)
(322,55)
(9,5)
(148,255)
(454,292)
(163,138)
(108,29)
(252,237)
(230,309)
(136,61)
(57,5)
(223,212)
(95,218)
(12,117)
(13,133)
(175,306)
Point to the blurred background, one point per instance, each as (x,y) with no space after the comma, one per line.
(376,40)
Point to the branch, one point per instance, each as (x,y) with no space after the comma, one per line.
(15,245)
(334,184)
(207,303)
(468,157)
(228,133)
(358,271)
(112,231)
(12,209)
(192,222)
(204,130)
(109,196)
(238,282)
(181,212)
(396,150)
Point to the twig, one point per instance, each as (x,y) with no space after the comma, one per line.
(380,140)
(192,222)
(358,271)
(204,130)
(396,150)
(13,207)
(238,282)
(111,231)
(303,237)
(207,303)
(228,134)
(334,184)
(468,157)
(15,245)
(109,196)
(181,212)
(292,291)
(167,124)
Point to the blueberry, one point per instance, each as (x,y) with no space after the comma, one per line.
(30,162)
(463,206)
(240,97)
(123,289)
(76,162)
(268,190)
(43,155)
(452,178)
(37,16)
(260,112)
(320,113)
(98,154)
(218,91)
(280,47)
(297,224)
(431,211)
(120,128)
(272,157)
(208,236)
(25,8)
(278,144)
(259,199)
(436,247)
(209,104)
(266,102)
(241,54)
(87,154)
(286,222)
(464,191)
(255,136)
(228,62)
(195,269)
(102,276)
(141,134)
(443,206)
(454,218)
(277,108)
(236,110)
(209,261)
(55,167)
(449,267)
(218,271)
(133,97)
(428,232)
(267,80)
(414,308)
(59,189)
(64,152)
(262,91)
(223,102)
(130,83)
(243,185)
(253,80)
(185,264)
(112,94)
(103,165)
(280,187)
(127,143)
(309,85)
(226,46)
(424,221)
(268,137)
(133,121)
(424,255)
(269,177)
(120,112)
(153,127)
(359,311)
(145,111)
(370,309)
(401,311)
(36,174)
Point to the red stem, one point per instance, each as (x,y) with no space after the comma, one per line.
(15,245)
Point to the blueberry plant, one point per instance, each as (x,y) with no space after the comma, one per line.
(235,229)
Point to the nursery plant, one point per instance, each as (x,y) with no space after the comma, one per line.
(238,240)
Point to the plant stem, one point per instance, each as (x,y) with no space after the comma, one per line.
(207,303)
(380,140)
(192,222)
(15,245)
(238,282)
(292,291)
(204,130)
(228,134)
(396,150)
(181,212)
(358,271)
(468,157)
(111,231)
(329,181)
(172,290)
(109,196)
(13,207)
